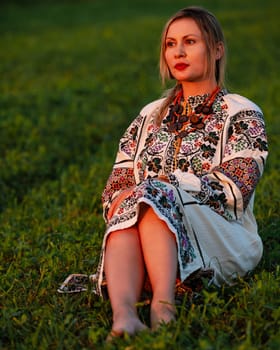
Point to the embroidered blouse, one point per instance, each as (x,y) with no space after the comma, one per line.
(219,165)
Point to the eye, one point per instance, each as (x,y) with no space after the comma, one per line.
(190,41)
(169,43)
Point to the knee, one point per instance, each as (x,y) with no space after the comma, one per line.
(122,235)
(149,221)
(145,213)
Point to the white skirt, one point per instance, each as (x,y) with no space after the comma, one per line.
(205,239)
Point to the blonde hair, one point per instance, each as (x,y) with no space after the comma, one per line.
(212,34)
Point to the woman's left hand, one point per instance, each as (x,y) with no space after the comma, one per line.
(163,178)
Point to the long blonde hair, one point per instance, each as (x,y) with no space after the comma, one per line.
(212,34)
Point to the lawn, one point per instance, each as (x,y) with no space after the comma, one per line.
(73,74)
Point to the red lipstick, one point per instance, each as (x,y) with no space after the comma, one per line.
(181,66)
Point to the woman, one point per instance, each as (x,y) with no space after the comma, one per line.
(180,196)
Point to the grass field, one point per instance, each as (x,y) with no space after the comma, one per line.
(73,74)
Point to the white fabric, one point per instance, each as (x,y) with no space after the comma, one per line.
(226,238)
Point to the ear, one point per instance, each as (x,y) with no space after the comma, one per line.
(220,50)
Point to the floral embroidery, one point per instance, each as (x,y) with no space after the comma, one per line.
(246,132)
(216,200)
(206,166)
(163,198)
(239,127)
(261,144)
(212,194)
(154,165)
(128,142)
(226,136)
(183,164)
(244,172)
(208,151)
(120,178)
(212,137)
(198,153)
(197,165)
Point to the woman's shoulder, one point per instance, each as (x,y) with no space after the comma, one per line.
(151,107)
(236,103)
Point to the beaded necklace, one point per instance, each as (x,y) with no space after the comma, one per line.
(181,115)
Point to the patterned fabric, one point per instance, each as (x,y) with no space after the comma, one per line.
(196,152)
(246,132)
(212,194)
(128,142)
(244,172)
(212,181)
(159,195)
(200,152)
(120,179)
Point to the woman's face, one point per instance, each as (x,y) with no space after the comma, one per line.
(186,52)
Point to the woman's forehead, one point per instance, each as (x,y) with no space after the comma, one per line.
(183,26)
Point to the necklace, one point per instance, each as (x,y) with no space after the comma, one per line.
(181,115)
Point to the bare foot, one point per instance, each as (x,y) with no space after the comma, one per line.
(125,322)
(162,312)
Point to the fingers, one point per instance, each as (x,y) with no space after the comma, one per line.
(117,201)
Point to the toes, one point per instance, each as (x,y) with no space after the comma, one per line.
(162,314)
(114,335)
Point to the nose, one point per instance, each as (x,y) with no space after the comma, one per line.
(180,52)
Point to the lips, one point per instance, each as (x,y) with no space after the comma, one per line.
(181,66)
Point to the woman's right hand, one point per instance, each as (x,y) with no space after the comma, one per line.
(117,201)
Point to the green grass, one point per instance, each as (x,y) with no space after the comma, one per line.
(73,74)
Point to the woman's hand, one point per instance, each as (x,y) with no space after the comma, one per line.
(163,178)
(117,201)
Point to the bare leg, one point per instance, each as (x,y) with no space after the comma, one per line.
(124,269)
(160,255)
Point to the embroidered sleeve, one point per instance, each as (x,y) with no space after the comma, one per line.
(245,174)
(120,179)
(128,142)
(122,175)
(230,186)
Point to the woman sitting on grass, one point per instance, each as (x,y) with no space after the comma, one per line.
(180,196)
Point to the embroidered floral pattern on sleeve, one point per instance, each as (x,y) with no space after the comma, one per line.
(212,194)
(246,132)
(200,153)
(128,142)
(244,172)
(161,197)
(123,177)
(120,179)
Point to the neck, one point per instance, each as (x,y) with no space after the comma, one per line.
(198,88)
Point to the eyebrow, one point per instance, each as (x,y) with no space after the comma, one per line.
(184,37)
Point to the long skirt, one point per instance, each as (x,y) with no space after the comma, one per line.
(205,239)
